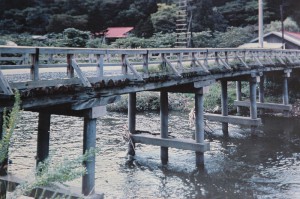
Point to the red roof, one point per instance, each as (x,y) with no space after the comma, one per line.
(117,32)
(296,35)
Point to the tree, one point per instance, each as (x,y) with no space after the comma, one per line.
(206,17)
(60,22)
(164,20)
(75,38)
(289,25)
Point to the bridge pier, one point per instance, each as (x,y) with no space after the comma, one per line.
(164,133)
(131,121)
(253,106)
(199,124)
(90,116)
(43,137)
(89,142)
(262,92)
(238,95)
(224,101)
(285,92)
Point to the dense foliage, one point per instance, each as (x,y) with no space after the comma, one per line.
(46,16)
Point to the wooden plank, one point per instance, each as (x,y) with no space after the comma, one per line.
(200,84)
(93,102)
(5,87)
(272,106)
(233,119)
(81,76)
(185,144)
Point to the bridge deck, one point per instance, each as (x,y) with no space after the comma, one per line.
(87,77)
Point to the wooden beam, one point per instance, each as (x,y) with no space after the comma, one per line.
(244,63)
(85,82)
(272,106)
(4,85)
(184,144)
(233,119)
(93,102)
(224,63)
(172,67)
(136,74)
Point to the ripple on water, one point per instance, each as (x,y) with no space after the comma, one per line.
(240,166)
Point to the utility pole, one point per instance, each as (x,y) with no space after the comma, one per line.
(282,24)
(260,24)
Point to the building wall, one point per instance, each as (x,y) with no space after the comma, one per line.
(276,39)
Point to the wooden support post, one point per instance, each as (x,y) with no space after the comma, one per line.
(131,121)
(43,137)
(199,124)
(253,106)
(70,69)
(164,125)
(238,95)
(224,100)
(285,93)
(262,92)
(3,170)
(89,142)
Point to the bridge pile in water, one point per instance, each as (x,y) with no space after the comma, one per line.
(89,79)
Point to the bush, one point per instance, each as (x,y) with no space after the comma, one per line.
(150,101)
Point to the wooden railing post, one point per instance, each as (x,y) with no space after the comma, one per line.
(124,65)
(163,63)
(217,58)
(70,69)
(34,72)
(146,63)
(226,58)
(179,61)
(100,66)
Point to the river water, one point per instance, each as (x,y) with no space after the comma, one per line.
(241,166)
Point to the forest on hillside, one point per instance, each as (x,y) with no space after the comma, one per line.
(46,16)
(72,23)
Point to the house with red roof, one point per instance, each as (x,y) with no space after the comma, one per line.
(117,32)
(274,39)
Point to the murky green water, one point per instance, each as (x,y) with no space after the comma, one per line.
(242,166)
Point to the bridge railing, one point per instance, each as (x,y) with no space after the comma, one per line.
(91,65)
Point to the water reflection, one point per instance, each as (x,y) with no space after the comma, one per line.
(238,166)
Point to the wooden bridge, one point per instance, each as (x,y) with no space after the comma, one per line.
(81,82)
